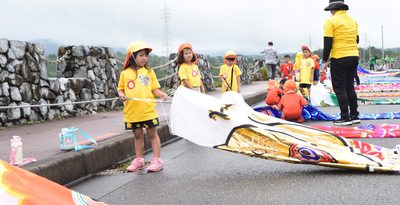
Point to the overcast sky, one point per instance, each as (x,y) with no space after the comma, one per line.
(210,25)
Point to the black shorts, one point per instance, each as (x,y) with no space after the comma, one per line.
(144,124)
(304,85)
(316,75)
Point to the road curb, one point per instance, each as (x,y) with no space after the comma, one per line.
(71,166)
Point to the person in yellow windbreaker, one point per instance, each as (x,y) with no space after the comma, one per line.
(229,73)
(137,87)
(189,72)
(341,45)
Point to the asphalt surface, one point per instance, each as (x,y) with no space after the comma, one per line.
(197,175)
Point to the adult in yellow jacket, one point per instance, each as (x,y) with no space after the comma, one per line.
(340,43)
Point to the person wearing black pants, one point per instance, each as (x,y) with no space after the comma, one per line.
(343,73)
(340,43)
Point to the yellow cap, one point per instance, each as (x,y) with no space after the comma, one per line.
(137,46)
(230,53)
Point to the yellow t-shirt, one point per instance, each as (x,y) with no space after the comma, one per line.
(344,30)
(191,73)
(138,84)
(225,71)
(307,70)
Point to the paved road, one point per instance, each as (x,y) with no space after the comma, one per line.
(199,175)
(40,140)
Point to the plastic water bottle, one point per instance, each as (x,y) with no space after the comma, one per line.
(65,139)
(16,156)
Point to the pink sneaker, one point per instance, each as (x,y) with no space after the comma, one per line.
(137,163)
(155,165)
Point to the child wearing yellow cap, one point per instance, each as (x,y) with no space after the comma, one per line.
(137,81)
(189,72)
(229,73)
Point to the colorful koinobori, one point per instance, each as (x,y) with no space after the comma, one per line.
(310,112)
(363,71)
(20,187)
(321,96)
(230,124)
(364,131)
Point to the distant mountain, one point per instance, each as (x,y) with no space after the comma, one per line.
(50,46)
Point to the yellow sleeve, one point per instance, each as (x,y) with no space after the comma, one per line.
(312,63)
(237,71)
(121,82)
(154,81)
(221,69)
(182,73)
(328,29)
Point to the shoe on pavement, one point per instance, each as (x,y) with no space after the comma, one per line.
(137,164)
(355,120)
(342,122)
(155,165)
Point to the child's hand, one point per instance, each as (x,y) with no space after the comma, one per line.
(122,98)
(164,96)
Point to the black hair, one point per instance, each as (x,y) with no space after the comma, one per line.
(286,56)
(181,58)
(270,43)
(132,62)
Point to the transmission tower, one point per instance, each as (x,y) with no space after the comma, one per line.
(166,15)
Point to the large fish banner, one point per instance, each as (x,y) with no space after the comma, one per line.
(20,187)
(230,124)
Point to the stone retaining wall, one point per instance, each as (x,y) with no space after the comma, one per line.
(87,73)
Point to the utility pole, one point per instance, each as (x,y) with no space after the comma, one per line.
(383,51)
(166,33)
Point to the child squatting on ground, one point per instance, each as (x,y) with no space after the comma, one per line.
(292,103)
(273,94)
(189,72)
(229,73)
(139,81)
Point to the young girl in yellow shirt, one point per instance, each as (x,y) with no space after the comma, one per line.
(307,66)
(140,82)
(189,72)
(229,73)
